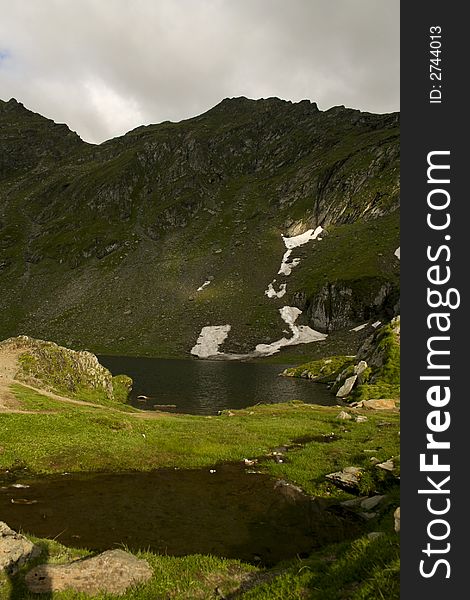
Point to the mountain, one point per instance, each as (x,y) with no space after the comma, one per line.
(105,246)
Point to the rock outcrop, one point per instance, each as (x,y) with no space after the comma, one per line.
(341,304)
(376,370)
(46,365)
(346,387)
(376,404)
(396,519)
(112,572)
(15,549)
(371,378)
(348,479)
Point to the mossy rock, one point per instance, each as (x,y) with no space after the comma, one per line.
(381,377)
(79,375)
(324,370)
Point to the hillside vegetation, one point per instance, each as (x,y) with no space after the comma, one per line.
(104,247)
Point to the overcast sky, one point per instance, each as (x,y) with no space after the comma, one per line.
(107,66)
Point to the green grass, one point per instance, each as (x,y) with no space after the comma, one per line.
(363,569)
(384,381)
(33,401)
(359,253)
(191,577)
(323,370)
(79,438)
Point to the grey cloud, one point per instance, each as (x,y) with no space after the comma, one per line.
(104,67)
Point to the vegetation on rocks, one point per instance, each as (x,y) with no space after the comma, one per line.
(381,375)
(324,370)
(382,353)
(75,374)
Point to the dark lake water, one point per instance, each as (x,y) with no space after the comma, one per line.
(205,387)
(230,513)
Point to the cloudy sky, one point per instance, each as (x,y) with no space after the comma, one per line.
(107,66)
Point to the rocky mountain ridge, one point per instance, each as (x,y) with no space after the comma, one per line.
(106,246)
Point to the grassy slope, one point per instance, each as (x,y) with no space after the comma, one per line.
(354,252)
(106,439)
(98,308)
(75,438)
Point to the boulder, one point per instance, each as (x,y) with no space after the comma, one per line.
(353,503)
(347,387)
(15,549)
(377,404)
(344,416)
(112,572)
(388,465)
(347,479)
(372,502)
(360,367)
(367,515)
(291,492)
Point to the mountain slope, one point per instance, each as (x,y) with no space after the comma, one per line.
(105,246)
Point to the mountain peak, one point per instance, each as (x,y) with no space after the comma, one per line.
(11,105)
(240,104)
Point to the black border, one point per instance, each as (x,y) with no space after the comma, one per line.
(426,127)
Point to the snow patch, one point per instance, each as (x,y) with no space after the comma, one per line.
(303,238)
(290,314)
(211,337)
(376,324)
(294,242)
(271,292)
(359,327)
(205,284)
(301,334)
(209,340)
(286,267)
(397,253)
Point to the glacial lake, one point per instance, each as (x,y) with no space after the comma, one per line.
(202,387)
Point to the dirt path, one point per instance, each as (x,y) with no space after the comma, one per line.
(8,369)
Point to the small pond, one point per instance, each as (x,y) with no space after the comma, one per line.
(204,387)
(230,512)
